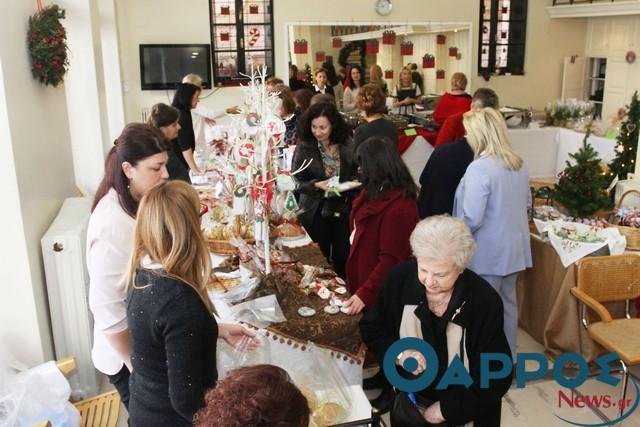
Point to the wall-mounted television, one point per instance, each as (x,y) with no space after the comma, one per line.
(162,66)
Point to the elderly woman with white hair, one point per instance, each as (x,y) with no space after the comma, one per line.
(436,298)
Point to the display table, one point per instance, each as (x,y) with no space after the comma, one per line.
(546,309)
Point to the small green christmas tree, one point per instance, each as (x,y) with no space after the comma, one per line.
(582,186)
(626,149)
(309,73)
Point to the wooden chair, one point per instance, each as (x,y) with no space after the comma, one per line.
(611,279)
(99,411)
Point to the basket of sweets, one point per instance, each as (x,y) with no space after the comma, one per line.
(627,221)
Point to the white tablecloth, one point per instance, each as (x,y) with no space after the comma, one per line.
(545,150)
(416,156)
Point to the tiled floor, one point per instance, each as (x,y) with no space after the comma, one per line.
(537,404)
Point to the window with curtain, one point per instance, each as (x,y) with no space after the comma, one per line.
(241,35)
(502,36)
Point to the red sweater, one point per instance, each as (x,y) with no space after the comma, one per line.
(452,130)
(381,241)
(451,104)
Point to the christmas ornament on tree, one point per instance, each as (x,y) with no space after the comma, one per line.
(582,187)
(627,147)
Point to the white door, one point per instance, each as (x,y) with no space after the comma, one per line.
(615,86)
(573,77)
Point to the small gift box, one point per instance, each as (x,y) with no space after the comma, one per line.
(428,61)
(225,10)
(388,37)
(503,34)
(253,9)
(453,51)
(406,48)
(388,74)
(440,74)
(505,9)
(320,56)
(224,36)
(441,39)
(300,46)
(372,46)
(336,43)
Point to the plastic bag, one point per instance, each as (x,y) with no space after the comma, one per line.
(243,290)
(260,312)
(36,395)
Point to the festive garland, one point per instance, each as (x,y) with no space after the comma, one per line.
(47,40)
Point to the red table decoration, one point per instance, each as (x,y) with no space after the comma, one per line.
(405,141)
(372,46)
(336,43)
(300,46)
(406,48)
(388,37)
(428,61)
(441,39)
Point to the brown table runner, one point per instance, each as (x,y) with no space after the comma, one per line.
(338,332)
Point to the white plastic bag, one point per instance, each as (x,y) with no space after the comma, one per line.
(260,312)
(36,395)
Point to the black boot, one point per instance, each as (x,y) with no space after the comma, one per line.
(382,404)
(376,381)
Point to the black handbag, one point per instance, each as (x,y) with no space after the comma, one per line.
(335,207)
(404,413)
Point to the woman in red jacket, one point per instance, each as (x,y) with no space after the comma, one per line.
(381,221)
(454,102)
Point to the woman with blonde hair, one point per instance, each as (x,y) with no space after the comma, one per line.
(171,325)
(407,94)
(492,199)
(453,102)
(376,77)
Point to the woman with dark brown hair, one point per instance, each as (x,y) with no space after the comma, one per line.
(288,114)
(372,102)
(136,163)
(302,97)
(254,396)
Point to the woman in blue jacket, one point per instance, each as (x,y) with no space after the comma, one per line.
(492,199)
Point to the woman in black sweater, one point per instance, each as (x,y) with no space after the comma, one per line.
(171,325)
(181,158)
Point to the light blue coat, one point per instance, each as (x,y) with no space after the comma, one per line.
(493,201)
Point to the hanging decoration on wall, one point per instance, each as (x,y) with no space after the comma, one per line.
(336,43)
(254,37)
(320,56)
(388,37)
(428,61)
(224,36)
(300,46)
(372,46)
(47,41)
(406,48)
(440,74)
(453,51)
(253,9)
(441,39)
(388,74)
(630,57)
(225,10)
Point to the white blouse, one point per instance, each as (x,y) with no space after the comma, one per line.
(349,100)
(109,246)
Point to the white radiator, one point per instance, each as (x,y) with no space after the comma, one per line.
(63,251)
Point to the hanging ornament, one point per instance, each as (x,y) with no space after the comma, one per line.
(300,46)
(453,51)
(320,56)
(441,39)
(336,43)
(389,37)
(428,61)
(406,48)
(388,74)
(371,46)
(440,74)
(253,9)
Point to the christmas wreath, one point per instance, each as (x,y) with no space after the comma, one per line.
(47,40)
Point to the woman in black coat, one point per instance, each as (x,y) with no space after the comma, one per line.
(323,136)
(437,299)
(182,148)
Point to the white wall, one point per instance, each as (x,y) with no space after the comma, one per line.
(162,21)
(36,174)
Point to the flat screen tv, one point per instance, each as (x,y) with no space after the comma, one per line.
(162,66)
